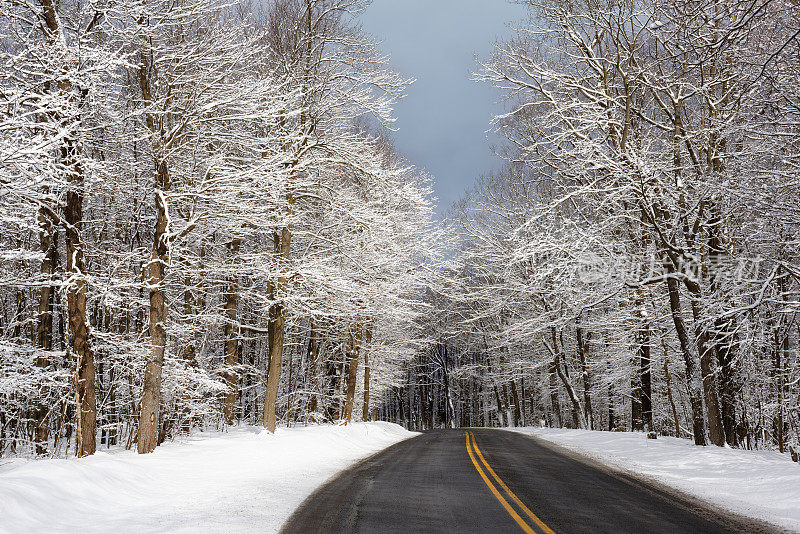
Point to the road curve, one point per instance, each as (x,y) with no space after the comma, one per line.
(483,480)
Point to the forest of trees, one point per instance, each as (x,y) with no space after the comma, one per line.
(634,266)
(202,220)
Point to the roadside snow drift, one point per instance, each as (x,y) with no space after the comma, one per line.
(760,484)
(244,480)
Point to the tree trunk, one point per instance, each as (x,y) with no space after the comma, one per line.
(612,415)
(282,249)
(231,333)
(510,421)
(78,333)
(365,406)
(78,325)
(367,342)
(44,322)
(353,349)
(716,431)
(669,395)
(724,335)
(515,397)
(780,354)
(641,403)
(636,397)
(332,386)
(500,416)
(646,375)
(554,402)
(557,357)
(449,408)
(695,399)
(274,369)
(583,357)
(151,395)
(726,351)
(314,369)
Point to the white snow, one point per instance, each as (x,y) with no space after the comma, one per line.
(760,484)
(243,480)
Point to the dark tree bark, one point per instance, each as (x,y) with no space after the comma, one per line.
(583,358)
(695,399)
(78,346)
(365,350)
(668,379)
(647,385)
(151,395)
(641,404)
(44,322)
(353,348)
(500,409)
(515,397)
(637,425)
(612,415)
(314,369)
(558,357)
(716,431)
(282,243)
(725,346)
(332,386)
(231,335)
(507,406)
(555,405)
(723,338)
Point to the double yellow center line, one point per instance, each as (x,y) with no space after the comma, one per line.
(472,445)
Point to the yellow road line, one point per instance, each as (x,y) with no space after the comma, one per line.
(510,493)
(527,528)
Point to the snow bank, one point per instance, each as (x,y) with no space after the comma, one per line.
(244,480)
(759,484)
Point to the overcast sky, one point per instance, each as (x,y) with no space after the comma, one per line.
(443,120)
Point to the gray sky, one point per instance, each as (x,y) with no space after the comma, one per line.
(443,120)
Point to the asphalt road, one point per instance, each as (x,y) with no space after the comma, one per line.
(496,481)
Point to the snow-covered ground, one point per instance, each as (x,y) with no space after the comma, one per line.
(244,480)
(759,484)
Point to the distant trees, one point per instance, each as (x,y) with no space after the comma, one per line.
(634,265)
(201,221)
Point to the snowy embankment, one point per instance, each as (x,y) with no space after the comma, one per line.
(760,484)
(244,480)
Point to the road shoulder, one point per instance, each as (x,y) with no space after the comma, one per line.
(697,504)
